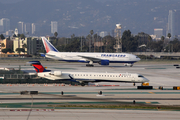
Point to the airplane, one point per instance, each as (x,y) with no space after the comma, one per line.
(90,58)
(85,77)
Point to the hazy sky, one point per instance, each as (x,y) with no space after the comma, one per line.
(10,1)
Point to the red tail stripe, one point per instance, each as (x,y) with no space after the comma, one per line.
(46,46)
(39,68)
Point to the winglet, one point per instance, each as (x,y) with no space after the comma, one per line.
(38,67)
(48,46)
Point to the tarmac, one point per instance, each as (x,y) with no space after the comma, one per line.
(159,74)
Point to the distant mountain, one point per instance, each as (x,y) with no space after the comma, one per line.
(81,16)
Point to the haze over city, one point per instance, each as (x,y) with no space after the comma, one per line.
(79,17)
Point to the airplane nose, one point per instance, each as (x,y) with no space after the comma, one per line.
(138,59)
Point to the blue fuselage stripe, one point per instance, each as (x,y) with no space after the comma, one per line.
(95,62)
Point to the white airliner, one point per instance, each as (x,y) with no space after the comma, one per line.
(85,77)
(90,58)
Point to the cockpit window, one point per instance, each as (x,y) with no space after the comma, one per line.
(140,76)
(137,57)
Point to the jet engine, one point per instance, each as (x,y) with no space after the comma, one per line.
(104,62)
(57,73)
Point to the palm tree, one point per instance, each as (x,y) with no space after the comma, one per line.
(24,47)
(163,38)
(90,43)
(22,36)
(56,34)
(72,36)
(2,37)
(18,50)
(2,45)
(169,35)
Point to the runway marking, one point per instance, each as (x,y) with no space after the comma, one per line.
(152,92)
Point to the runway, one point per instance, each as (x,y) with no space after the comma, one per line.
(86,114)
(159,74)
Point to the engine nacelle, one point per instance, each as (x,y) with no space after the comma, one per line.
(104,62)
(57,73)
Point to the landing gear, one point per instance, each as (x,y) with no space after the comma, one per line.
(82,84)
(128,64)
(89,65)
(134,84)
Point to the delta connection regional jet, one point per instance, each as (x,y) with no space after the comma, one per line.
(85,77)
(89,58)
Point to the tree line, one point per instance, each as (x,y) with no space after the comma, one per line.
(141,42)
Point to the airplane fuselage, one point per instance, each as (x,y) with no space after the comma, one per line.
(95,77)
(77,57)
(86,57)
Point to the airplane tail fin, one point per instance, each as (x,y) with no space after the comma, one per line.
(38,67)
(48,46)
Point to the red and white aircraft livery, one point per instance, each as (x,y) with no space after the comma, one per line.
(85,77)
(86,57)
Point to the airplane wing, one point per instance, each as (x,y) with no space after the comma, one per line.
(90,58)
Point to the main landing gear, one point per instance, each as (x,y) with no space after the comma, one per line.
(134,84)
(89,65)
(82,84)
(128,64)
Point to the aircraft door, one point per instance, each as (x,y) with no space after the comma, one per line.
(133,79)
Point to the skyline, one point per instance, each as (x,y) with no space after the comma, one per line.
(80,18)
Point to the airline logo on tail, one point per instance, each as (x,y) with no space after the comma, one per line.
(48,46)
(38,67)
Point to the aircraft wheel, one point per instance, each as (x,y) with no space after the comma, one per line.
(89,65)
(82,84)
(134,84)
